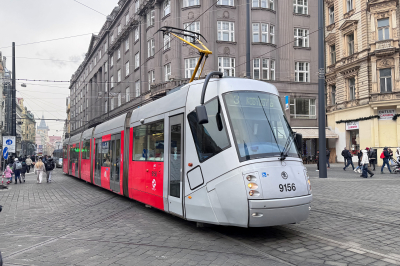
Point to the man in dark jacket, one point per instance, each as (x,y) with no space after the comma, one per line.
(347,158)
(372,157)
(386,160)
(49,168)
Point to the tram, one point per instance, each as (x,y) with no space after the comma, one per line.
(217,151)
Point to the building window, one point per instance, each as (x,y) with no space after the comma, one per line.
(256,32)
(190,65)
(300,6)
(119,99)
(112,61)
(352,89)
(137,88)
(137,61)
(119,75)
(99,54)
(331,11)
(127,68)
(105,47)
(226,65)
(105,107)
(225,3)
(151,78)
(302,108)
(263,32)
(265,68)
(349,5)
(167,7)
(272,4)
(383,29)
(333,94)
(302,72)
(87,103)
(127,95)
(137,6)
(272,69)
(272,34)
(119,54)
(119,29)
(262,3)
(256,68)
(226,31)
(350,44)
(105,67)
(187,3)
(112,82)
(167,71)
(301,37)
(150,18)
(194,26)
(136,34)
(112,37)
(167,41)
(106,86)
(150,48)
(386,79)
(111,103)
(126,44)
(126,19)
(333,54)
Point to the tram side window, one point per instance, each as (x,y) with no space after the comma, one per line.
(105,154)
(208,140)
(86,149)
(65,151)
(71,153)
(148,142)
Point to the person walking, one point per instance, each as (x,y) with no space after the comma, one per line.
(359,167)
(49,168)
(364,163)
(317,159)
(17,166)
(28,162)
(39,170)
(348,158)
(385,156)
(398,154)
(372,157)
(8,174)
(23,170)
(391,156)
(328,153)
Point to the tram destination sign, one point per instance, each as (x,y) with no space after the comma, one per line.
(386,114)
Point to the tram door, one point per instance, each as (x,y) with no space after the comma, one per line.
(175,164)
(115,150)
(98,162)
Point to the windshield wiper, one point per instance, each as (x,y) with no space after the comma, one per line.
(272,130)
(289,141)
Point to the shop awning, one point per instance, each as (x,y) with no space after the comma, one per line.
(312,132)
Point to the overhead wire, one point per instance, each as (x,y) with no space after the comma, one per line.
(90,8)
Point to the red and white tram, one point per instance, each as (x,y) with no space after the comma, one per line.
(241,167)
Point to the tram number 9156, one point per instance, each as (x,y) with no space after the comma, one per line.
(287,187)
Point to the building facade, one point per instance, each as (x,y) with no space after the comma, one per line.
(129,64)
(363,81)
(28,128)
(42,138)
(5,84)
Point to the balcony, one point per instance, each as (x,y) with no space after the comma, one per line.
(384,48)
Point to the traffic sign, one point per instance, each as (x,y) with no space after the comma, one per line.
(5,153)
(9,142)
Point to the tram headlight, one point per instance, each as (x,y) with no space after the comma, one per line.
(254,193)
(251,178)
(252,185)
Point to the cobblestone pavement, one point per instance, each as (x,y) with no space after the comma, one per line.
(354,221)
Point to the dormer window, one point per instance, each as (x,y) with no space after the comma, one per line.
(383,29)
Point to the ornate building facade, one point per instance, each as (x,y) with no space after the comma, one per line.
(28,129)
(362,73)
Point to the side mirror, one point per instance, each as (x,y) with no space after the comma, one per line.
(201,112)
(299,142)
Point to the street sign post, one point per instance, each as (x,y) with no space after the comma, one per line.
(9,142)
(287,102)
(5,153)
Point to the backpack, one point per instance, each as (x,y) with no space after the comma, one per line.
(18,166)
(382,156)
(49,165)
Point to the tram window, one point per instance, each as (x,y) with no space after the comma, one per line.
(86,149)
(208,139)
(148,142)
(65,151)
(105,152)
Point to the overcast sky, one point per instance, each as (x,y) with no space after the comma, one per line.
(28,21)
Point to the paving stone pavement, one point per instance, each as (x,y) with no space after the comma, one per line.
(354,221)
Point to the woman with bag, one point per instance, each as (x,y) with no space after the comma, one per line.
(39,170)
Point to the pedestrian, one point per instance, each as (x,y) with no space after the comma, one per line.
(328,153)
(49,168)
(372,157)
(8,174)
(17,166)
(348,158)
(385,156)
(359,167)
(33,158)
(44,159)
(23,170)
(39,170)
(28,162)
(391,156)
(317,159)
(364,163)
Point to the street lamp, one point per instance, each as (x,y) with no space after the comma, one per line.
(23,85)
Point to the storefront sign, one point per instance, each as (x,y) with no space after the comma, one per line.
(386,114)
(352,125)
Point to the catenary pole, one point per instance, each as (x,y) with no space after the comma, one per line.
(13,97)
(321,92)
(248,61)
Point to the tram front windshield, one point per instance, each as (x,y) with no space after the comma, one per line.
(258,124)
